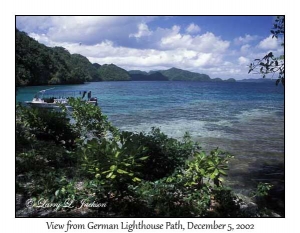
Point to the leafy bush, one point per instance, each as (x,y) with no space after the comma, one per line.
(89,121)
(171,199)
(46,125)
(165,154)
(226,203)
(185,193)
(137,174)
(262,189)
(211,167)
(116,165)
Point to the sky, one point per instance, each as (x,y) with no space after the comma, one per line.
(220,46)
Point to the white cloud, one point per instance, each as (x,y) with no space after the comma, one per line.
(83,29)
(227,63)
(245,48)
(143,30)
(31,24)
(234,71)
(244,40)
(193,28)
(130,58)
(243,60)
(150,58)
(42,38)
(122,30)
(207,42)
(269,43)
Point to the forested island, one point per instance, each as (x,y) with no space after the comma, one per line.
(37,64)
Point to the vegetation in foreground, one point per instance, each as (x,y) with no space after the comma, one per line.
(134,174)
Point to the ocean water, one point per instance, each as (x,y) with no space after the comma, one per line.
(246,119)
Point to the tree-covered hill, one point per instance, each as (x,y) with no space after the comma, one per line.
(37,64)
(157,76)
(175,74)
(231,80)
(96,65)
(137,72)
(112,73)
(216,80)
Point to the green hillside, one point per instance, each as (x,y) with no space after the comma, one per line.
(137,72)
(232,80)
(216,80)
(157,76)
(37,64)
(175,74)
(113,73)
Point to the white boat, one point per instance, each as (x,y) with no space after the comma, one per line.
(50,98)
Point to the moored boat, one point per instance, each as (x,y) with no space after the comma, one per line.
(51,98)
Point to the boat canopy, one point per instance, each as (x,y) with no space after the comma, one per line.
(48,93)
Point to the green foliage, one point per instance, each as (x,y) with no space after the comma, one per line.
(89,120)
(262,197)
(171,199)
(165,154)
(188,191)
(46,125)
(278,27)
(113,73)
(42,167)
(225,203)
(137,174)
(271,64)
(37,64)
(262,190)
(212,167)
(115,165)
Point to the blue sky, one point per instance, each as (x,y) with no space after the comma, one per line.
(220,46)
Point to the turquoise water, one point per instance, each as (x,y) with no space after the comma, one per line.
(246,119)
